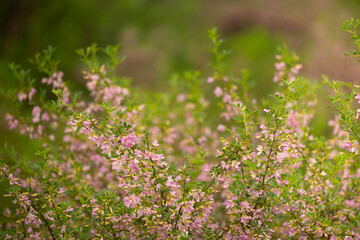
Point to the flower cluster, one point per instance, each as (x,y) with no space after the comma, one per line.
(205,161)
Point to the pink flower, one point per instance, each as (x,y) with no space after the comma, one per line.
(210,80)
(13,180)
(12,122)
(126,92)
(218,153)
(22,96)
(351,146)
(226,98)
(94,77)
(350,203)
(155,143)
(357,97)
(36,114)
(264,129)
(128,141)
(245,219)
(228,204)
(132,201)
(277,77)
(181,97)
(45,117)
(279,66)
(218,91)
(87,123)
(171,183)
(221,128)
(45,80)
(245,204)
(31,93)
(69,209)
(301,192)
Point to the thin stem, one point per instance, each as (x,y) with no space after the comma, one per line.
(224,232)
(44,219)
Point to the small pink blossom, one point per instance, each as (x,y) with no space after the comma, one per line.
(94,77)
(31,93)
(279,65)
(181,97)
(218,91)
(13,180)
(277,77)
(350,203)
(36,114)
(44,80)
(171,183)
(61,190)
(226,98)
(69,209)
(22,96)
(132,201)
(87,123)
(357,97)
(12,122)
(351,146)
(221,128)
(155,143)
(45,117)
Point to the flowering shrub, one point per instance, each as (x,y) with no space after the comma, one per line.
(120,163)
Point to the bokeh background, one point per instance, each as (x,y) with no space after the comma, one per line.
(161,37)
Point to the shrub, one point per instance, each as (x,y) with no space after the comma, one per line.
(121,163)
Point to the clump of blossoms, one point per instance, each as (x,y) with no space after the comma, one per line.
(204,161)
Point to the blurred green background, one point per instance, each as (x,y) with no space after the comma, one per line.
(161,37)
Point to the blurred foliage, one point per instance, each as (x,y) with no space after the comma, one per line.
(159,37)
(30,26)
